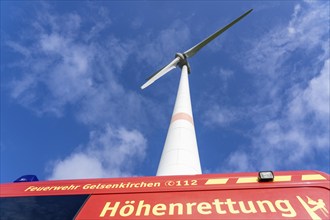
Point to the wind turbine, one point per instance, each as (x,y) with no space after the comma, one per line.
(180,153)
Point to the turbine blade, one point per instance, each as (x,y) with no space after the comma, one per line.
(160,73)
(192,51)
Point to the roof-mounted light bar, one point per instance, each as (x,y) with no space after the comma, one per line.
(27,178)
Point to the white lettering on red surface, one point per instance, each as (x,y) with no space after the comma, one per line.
(228,206)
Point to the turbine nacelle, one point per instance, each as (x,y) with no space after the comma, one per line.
(183,61)
(181,58)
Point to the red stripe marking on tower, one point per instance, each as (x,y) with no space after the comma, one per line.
(182,116)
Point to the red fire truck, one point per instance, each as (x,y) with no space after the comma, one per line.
(263,195)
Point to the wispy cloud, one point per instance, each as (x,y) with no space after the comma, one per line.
(164,45)
(295,132)
(58,64)
(65,70)
(217,116)
(110,152)
(73,68)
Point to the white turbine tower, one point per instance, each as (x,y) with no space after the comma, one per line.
(180,153)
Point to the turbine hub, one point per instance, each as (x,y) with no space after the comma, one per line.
(183,61)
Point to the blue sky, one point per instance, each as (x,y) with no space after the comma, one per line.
(71,104)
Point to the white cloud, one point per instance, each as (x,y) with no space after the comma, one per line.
(80,165)
(219,116)
(19,48)
(225,74)
(292,65)
(307,30)
(317,93)
(239,161)
(57,64)
(65,68)
(164,45)
(72,71)
(109,153)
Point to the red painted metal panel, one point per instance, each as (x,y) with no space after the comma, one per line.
(163,183)
(273,203)
(292,194)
